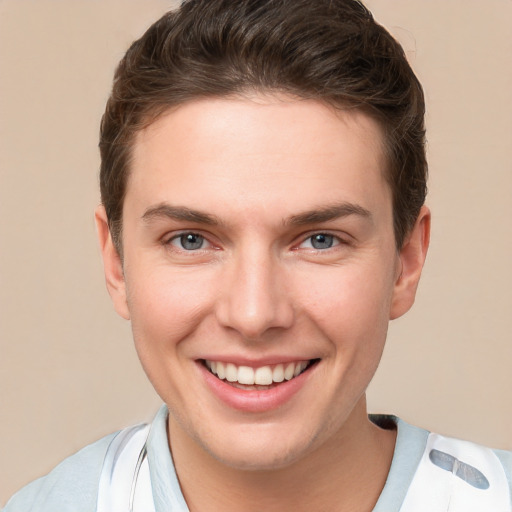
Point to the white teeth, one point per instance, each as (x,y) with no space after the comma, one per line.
(231,372)
(262,376)
(289,371)
(299,368)
(245,375)
(278,373)
(221,372)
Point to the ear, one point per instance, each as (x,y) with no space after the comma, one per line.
(112,264)
(411,259)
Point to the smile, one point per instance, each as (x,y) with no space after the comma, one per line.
(261,376)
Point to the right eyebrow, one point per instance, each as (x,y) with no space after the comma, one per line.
(165,210)
(328,213)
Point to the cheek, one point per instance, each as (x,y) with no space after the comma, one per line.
(165,310)
(166,306)
(351,305)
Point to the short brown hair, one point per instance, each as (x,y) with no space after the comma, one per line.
(328,50)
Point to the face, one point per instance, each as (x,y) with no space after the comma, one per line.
(260,272)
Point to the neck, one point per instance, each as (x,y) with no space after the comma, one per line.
(347,473)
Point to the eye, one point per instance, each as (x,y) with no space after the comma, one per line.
(320,241)
(189,241)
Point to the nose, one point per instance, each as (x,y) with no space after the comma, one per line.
(254,296)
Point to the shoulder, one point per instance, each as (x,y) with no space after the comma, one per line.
(70,486)
(466,476)
(505,458)
(430,472)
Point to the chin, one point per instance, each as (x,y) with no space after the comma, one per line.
(258,460)
(258,449)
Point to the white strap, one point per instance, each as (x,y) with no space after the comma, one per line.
(457,476)
(125,483)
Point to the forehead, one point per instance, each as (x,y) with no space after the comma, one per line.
(271,150)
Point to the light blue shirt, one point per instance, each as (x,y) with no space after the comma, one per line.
(73,485)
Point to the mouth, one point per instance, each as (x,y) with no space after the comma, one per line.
(259,378)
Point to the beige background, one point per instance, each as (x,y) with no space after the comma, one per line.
(68,372)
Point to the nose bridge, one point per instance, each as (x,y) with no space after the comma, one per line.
(254,298)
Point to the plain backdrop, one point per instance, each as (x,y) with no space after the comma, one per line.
(68,370)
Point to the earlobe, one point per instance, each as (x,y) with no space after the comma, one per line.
(112,265)
(412,257)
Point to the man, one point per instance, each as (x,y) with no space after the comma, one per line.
(263,182)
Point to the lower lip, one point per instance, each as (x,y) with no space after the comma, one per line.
(255,400)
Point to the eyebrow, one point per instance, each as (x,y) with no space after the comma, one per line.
(314,216)
(327,213)
(165,210)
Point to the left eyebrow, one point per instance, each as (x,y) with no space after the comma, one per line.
(328,213)
(179,213)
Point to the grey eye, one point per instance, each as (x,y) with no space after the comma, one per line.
(191,241)
(322,241)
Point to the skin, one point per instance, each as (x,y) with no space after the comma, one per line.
(269,171)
